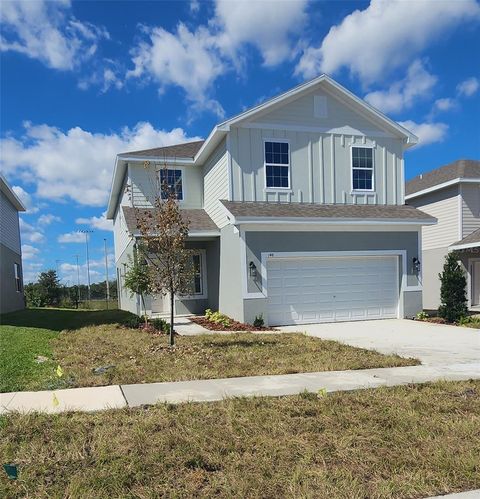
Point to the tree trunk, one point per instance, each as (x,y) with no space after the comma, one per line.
(172,332)
(144,308)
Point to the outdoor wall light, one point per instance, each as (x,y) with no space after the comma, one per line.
(416,264)
(253,269)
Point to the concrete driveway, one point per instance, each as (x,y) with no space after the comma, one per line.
(432,344)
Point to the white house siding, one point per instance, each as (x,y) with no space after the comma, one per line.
(9,225)
(144,181)
(470,208)
(121,236)
(216,185)
(443,205)
(320,167)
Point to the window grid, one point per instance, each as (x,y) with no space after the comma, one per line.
(277,164)
(174,183)
(197,275)
(362,168)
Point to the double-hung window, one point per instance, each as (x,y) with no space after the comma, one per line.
(172,180)
(362,168)
(277,165)
(18,279)
(197,275)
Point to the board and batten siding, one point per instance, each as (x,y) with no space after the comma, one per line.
(443,205)
(9,225)
(320,167)
(216,184)
(121,235)
(470,208)
(144,183)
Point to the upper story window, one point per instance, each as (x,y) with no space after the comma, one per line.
(18,279)
(173,178)
(277,164)
(362,168)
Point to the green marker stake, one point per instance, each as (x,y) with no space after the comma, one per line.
(11,471)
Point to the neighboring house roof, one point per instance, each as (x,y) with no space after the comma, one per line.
(470,241)
(460,170)
(198,219)
(220,130)
(10,194)
(184,150)
(263,211)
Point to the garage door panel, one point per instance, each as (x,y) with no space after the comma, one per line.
(326,289)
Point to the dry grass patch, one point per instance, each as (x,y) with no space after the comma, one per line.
(403,442)
(140,357)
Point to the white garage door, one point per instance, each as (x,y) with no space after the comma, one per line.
(329,289)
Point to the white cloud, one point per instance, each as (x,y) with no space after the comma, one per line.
(468,87)
(372,42)
(401,95)
(29,252)
(100,223)
(46,31)
(267,25)
(194,6)
(185,59)
(76,164)
(427,133)
(31,270)
(30,233)
(71,237)
(26,199)
(48,218)
(444,104)
(68,271)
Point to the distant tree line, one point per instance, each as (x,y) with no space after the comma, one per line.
(48,291)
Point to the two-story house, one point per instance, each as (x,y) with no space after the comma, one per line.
(11,274)
(297,208)
(452,195)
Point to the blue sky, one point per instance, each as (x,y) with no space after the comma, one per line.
(83,81)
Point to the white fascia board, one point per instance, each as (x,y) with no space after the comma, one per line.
(464,246)
(193,234)
(442,186)
(117,179)
(216,135)
(159,159)
(10,194)
(327,221)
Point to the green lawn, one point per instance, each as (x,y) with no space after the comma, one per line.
(403,442)
(80,341)
(26,334)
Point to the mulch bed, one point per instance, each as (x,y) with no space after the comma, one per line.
(234,325)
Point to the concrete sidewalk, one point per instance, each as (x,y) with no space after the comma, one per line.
(119,396)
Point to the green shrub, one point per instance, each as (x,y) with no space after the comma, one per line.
(259,322)
(160,325)
(422,316)
(133,322)
(468,320)
(217,318)
(453,295)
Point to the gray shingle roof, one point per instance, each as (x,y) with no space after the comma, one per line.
(185,150)
(199,220)
(324,211)
(463,168)
(473,238)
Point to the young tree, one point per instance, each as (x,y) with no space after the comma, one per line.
(138,280)
(162,243)
(453,295)
(49,285)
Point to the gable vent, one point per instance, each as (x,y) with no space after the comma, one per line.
(319,106)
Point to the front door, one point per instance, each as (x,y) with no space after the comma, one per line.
(475,276)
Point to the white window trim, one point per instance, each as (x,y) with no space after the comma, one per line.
(203,275)
(362,146)
(173,167)
(277,189)
(470,262)
(17,277)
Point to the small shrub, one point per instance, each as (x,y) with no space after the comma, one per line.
(133,322)
(467,320)
(422,316)
(217,318)
(160,325)
(259,322)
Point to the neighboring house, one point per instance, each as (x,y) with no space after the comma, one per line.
(297,209)
(452,195)
(11,280)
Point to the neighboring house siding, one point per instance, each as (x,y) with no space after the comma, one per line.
(144,183)
(320,167)
(443,205)
(9,225)
(215,173)
(10,298)
(470,208)
(121,235)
